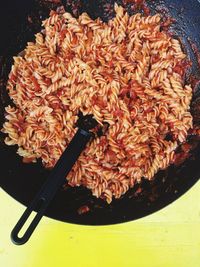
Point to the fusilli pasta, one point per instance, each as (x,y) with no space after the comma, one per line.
(122,72)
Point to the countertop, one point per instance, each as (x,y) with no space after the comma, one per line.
(167,238)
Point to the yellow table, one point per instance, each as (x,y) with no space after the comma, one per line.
(168,238)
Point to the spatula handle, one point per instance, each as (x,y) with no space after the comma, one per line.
(49,189)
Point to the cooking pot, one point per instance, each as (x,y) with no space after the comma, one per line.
(19,21)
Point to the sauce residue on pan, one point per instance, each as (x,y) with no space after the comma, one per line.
(83,209)
(138,5)
(195,50)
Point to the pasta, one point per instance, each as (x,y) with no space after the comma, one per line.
(124,73)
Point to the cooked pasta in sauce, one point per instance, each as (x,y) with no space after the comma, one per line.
(126,72)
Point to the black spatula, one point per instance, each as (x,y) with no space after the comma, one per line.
(56,179)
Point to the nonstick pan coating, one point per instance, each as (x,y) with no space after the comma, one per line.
(19,21)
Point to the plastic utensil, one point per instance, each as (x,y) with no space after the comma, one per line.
(56,179)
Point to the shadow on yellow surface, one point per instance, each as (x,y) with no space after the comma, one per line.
(168,238)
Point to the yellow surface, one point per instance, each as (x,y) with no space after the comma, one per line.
(168,238)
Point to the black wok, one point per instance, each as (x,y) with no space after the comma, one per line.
(19,20)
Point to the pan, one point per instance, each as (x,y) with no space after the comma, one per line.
(20,20)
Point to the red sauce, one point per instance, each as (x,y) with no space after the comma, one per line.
(27,160)
(75,6)
(184,154)
(167,21)
(63,34)
(12,77)
(60,93)
(182,67)
(138,5)
(103,141)
(83,209)
(98,101)
(138,191)
(133,114)
(148,110)
(195,82)
(124,91)
(110,64)
(133,95)
(107,76)
(36,84)
(118,113)
(146,9)
(179,158)
(55,105)
(196,51)
(155,59)
(186,147)
(47,81)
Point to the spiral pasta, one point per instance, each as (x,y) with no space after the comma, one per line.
(124,73)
